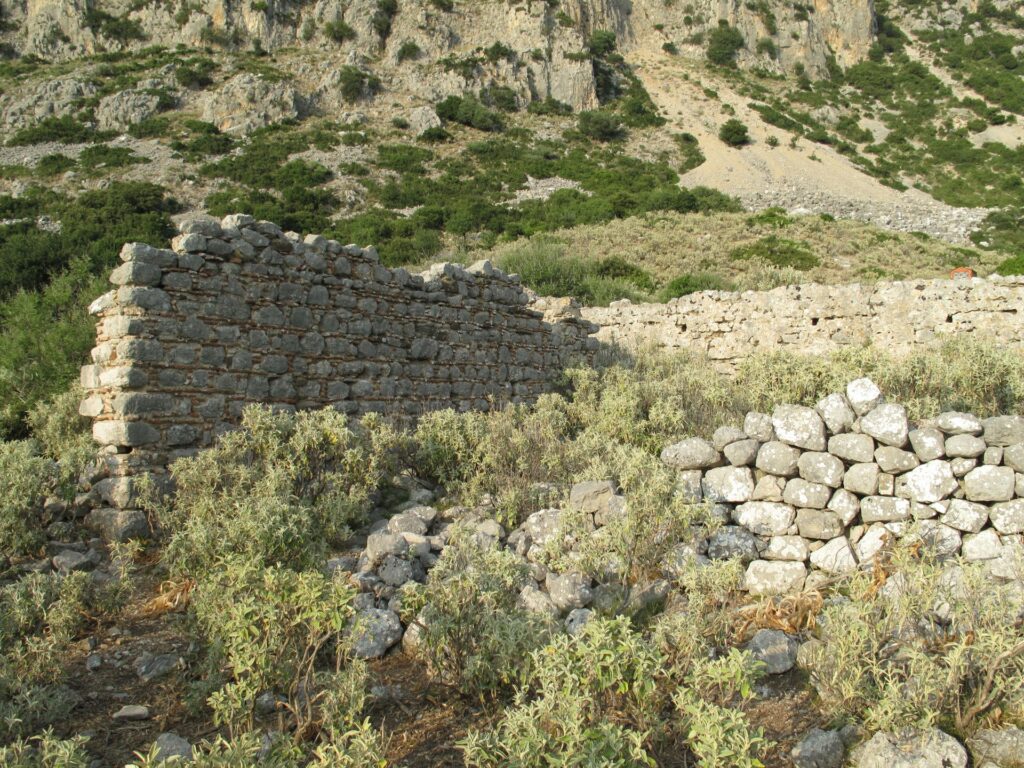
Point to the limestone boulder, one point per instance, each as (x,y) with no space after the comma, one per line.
(888,424)
(799,426)
(691,453)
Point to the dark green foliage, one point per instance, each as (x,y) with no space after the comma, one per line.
(470,112)
(123,30)
(1002,230)
(595,282)
(670,48)
(51,165)
(636,107)
(47,280)
(467,195)
(103,157)
(549,106)
(501,97)
(601,43)
(65,130)
(692,283)
(435,134)
(734,133)
(600,125)
(357,84)
(151,127)
(1012,266)
(689,147)
(443,5)
(771,217)
(499,52)
(778,252)
(204,140)
(339,31)
(766,47)
(403,158)
(408,51)
(724,43)
(381,19)
(196,75)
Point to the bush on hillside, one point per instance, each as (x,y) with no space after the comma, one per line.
(724,43)
(1012,266)
(339,31)
(734,133)
(600,125)
(779,252)
(470,112)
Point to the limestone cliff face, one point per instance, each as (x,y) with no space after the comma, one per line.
(545,36)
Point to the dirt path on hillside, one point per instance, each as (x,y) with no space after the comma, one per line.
(809,177)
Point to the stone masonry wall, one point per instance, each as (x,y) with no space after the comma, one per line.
(817,319)
(239,312)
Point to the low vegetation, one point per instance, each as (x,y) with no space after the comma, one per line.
(256,515)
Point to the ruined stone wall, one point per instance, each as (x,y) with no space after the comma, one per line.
(817,319)
(239,312)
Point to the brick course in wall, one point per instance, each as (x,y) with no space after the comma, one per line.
(239,312)
(817,319)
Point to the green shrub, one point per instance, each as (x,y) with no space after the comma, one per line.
(544,267)
(501,97)
(382,17)
(102,157)
(600,125)
(1011,266)
(689,283)
(435,134)
(670,48)
(51,165)
(470,112)
(40,616)
(890,659)
(63,433)
(46,751)
(548,106)
(339,31)
(591,700)
(473,633)
(443,5)
(778,252)
(196,75)
(498,52)
(601,42)
(277,491)
(775,217)
(734,133)
(63,130)
(408,51)
(25,478)
(634,544)
(356,84)
(724,43)
(265,628)
(403,158)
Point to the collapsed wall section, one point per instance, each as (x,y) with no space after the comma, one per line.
(817,319)
(239,312)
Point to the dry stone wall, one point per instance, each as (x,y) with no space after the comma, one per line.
(239,312)
(817,319)
(808,494)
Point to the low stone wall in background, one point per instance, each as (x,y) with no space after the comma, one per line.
(807,494)
(817,319)
(239,312)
